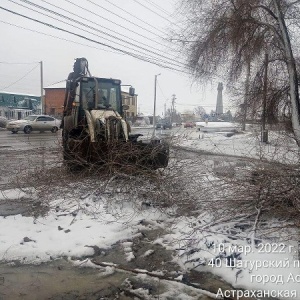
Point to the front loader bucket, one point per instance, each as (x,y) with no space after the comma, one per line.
(118,153)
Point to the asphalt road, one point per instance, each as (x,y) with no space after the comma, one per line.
(34,140)
(19,152)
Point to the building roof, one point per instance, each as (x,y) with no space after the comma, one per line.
(20,94)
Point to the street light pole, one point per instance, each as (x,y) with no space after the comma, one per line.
(154,111)
(42,89)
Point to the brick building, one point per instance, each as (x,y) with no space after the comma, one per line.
(54,100)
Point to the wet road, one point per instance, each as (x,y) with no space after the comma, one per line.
(22,152)
(19,152)
(22,141)
(35,140)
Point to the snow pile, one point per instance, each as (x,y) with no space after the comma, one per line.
(263,265)
(70,230)
(280,148)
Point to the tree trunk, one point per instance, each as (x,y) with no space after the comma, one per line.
(293,77)
(246,96)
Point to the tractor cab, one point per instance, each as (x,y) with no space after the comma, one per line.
(99,93)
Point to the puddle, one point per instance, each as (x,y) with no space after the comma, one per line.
(57,280)
(14,207)
(60,280)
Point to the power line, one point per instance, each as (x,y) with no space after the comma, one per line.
(94,41)
(124,19)
(135,16)
(112,36)
(123,27)
(57,37)
(19,78)
(150,9)
(137,1)
(16,63)
(64,80)
(104,18)
(162,91)
(53,36)
(158,7)
(109,29)
(187,104)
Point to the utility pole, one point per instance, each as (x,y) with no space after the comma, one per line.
(173,107)
(154,110)
(264,132)
(43,108)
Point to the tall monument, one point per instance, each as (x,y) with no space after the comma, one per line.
(219,107)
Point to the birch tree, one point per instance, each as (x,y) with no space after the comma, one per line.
(222,37)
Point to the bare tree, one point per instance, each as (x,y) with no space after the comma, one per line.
(223,37)
(199,112)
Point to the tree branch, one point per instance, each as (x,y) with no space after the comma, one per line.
(267,9)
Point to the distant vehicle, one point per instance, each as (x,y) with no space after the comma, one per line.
(176,124)
(189,124)
(34,123)
(164,124)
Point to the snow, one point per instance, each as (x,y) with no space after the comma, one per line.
(57,235)
(148,252)
(73,228)
(245,264)
(280,148)
(12,194)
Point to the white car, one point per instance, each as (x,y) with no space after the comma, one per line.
(34,123)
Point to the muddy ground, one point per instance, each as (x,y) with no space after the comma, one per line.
(62,279)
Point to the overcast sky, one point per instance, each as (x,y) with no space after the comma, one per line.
(121,39)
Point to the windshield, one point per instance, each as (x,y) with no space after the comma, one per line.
(107,94)
(30,118)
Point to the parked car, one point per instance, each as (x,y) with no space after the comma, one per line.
(176,124)
(34,123)
(164,124)
(189,124)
